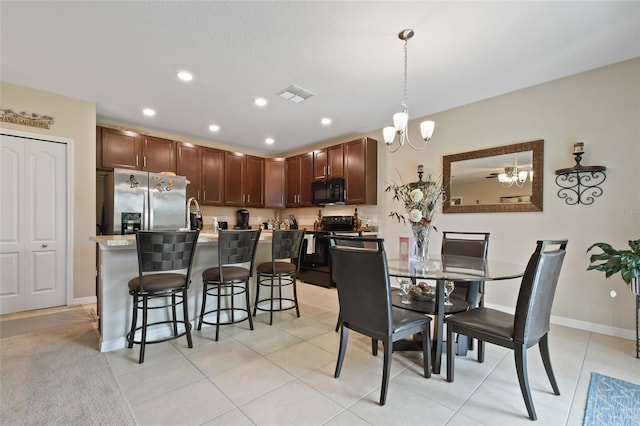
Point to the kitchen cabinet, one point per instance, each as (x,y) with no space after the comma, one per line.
(120,149)
(212,176)
(158,155)
(361,171)
(243,180)
(129,150)
(189,164)
(299,176)
(274,183)
(328,163)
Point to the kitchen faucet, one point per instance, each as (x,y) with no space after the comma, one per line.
(188,218)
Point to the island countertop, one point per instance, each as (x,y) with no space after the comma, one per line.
(117,263)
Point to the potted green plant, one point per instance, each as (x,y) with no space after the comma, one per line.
(612,261)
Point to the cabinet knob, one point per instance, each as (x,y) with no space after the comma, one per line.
(45,245)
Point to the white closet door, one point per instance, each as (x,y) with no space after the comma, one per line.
(33,202)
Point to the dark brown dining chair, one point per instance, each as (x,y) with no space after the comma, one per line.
(364,293)
(280,272)
(164,273)
(469,244)
(229,279)
(530,324)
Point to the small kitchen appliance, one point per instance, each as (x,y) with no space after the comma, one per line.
(242,219)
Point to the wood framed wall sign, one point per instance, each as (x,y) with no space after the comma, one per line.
(26,119)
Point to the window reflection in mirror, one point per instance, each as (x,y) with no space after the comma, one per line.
(501,179)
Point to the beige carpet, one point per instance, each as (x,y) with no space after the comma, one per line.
(54,374)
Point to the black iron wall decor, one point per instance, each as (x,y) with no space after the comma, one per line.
(580,184)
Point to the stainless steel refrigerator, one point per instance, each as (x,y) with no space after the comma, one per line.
(136,199)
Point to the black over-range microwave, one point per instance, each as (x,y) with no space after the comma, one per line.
(330,191)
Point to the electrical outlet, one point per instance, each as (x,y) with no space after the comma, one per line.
(375,218)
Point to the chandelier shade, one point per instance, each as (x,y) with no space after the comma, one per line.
(514,176)
(401,119)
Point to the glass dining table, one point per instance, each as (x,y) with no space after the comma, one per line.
(448,268)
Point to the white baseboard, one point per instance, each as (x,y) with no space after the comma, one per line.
(580,325)
(84,301)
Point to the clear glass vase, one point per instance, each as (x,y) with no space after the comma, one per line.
(421,237)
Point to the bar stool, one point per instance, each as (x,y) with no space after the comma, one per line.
(161,252)
(229,279)
(286,244)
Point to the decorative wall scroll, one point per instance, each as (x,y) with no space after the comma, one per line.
(26,118)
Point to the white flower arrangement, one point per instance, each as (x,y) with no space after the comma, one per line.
(421,200)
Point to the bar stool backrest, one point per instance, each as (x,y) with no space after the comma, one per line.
(237,246)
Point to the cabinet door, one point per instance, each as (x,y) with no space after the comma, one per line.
(212,176)
(274,183)
(320,164)
(306,178)
(292,182)
(334,161)
(234,179)
(159,155)
(254,181)
(189,164)
(120,149)
(361,171)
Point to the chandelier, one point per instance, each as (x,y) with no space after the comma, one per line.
(401,119)
(514,176)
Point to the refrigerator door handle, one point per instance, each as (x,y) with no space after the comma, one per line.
(150,211)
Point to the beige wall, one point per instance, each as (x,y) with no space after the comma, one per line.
(600,108)
(74,119)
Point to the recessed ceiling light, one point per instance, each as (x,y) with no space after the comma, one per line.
(269,141)
(260,102)
(185,76)
(214,128)
(148,112)
(325,121)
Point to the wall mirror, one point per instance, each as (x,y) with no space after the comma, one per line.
(502,179)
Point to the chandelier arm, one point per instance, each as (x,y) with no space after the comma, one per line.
(393,150)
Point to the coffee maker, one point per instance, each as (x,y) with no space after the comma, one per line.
(242,219)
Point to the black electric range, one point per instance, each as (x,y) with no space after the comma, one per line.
(315,266)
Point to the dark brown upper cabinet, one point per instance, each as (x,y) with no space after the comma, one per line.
(299,176)
(158,155)
(361,171)
(212,181)
(328,163)
(120,149)
(274,183)
(189,164)
(243,180)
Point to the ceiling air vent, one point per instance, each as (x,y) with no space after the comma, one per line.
(295,94)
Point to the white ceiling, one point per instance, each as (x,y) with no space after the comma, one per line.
(124,56)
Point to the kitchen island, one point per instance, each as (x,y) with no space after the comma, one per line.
(117,263)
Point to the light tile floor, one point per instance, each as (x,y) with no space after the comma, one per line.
(283,375)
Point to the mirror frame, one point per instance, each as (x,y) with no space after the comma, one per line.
(536,198)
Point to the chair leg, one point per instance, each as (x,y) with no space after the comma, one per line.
(295,295)
(271,301)
(143,339)
(480,351)
(546,360)
(175,315)
(386,369)
(248,304)
(344,337)
(218,301)
(134,320)
(450,354)
(426,352)
(520,352)
(204,304)
(185,312)
(374,347)
(255,305)
(338,323)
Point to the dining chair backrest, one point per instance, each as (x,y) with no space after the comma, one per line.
(362,279)
(286,244)
(537,290)
(470,244)
(160,251)
(237,246)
